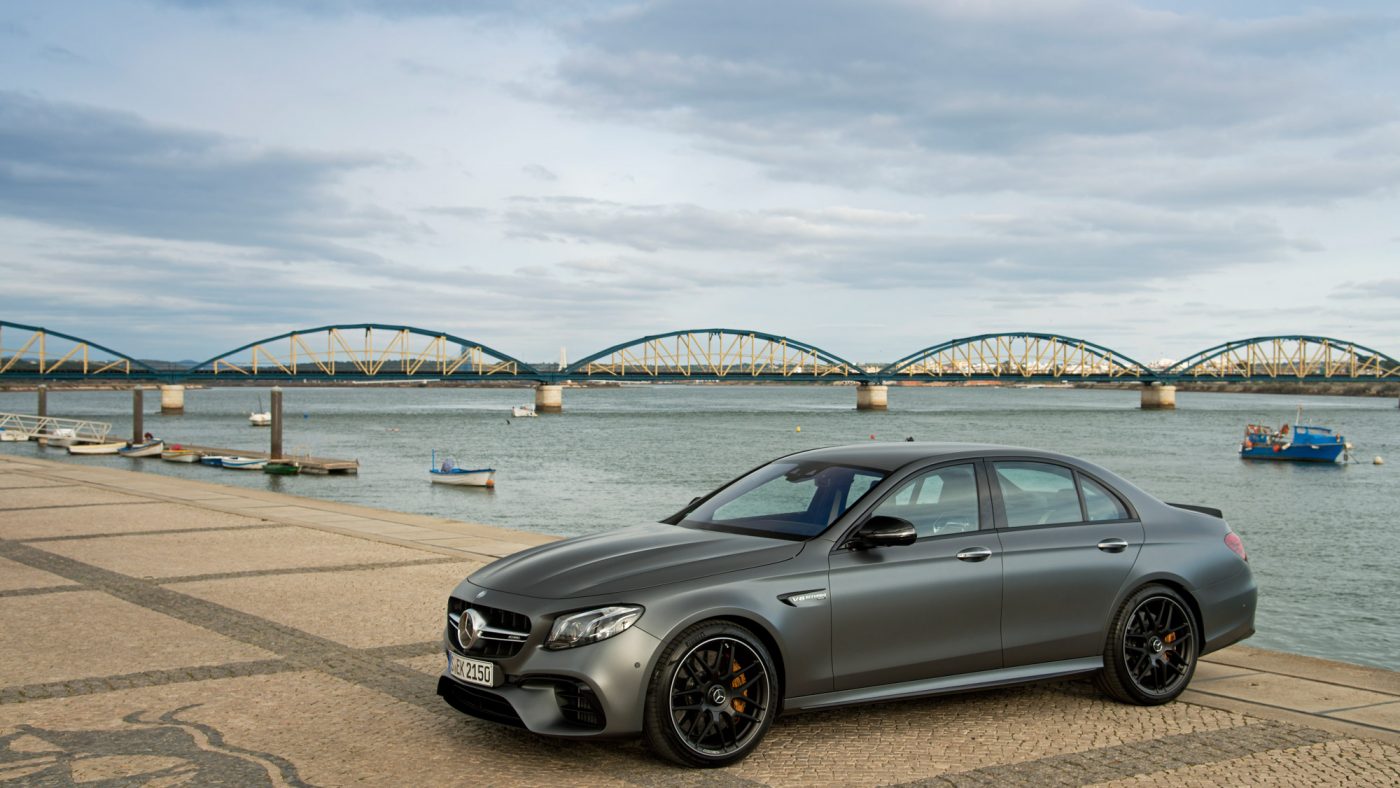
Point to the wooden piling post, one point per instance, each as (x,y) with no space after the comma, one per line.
(276,448)
(138,432)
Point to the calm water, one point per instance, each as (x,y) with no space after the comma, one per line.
(1323,541)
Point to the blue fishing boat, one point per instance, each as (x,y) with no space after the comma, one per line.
(1303,443)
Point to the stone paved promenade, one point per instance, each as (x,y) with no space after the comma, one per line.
(160,631)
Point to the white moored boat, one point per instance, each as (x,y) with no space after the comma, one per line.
(62,436)
(522,411)
(449,473)
(13,435)
(177,454)
(147,449)
(260,417)
(96,448)
(244,463)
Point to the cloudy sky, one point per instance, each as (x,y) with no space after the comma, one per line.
(180,177)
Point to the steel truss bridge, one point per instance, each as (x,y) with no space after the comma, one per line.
(376,352)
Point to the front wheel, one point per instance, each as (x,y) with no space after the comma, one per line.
(712,697)
(1152,648)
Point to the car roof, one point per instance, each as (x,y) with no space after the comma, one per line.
(888,456)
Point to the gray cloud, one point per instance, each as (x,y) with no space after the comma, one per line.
(89,168)
(1084,247)
(539,172)
(952,96)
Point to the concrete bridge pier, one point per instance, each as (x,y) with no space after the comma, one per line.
(549,398)
(1156,396)
(872,396)
(172,399)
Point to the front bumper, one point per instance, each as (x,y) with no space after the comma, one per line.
(593,690)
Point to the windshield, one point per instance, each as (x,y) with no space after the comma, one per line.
(787,499)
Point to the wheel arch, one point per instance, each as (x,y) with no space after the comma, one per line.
(761,628)
(1175,583)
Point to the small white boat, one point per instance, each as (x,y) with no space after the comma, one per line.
(177,454)
(215,460)
(244,463)
(62,436)
(260,417)
(13,435)
(147,449)
(449,473)
(523,411)
(96,448)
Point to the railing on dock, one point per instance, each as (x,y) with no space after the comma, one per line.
(34,427)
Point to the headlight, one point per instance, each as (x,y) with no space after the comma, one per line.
(591,626)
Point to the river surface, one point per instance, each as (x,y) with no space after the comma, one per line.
(1324,541)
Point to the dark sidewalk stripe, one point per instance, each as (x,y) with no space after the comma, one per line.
(149,678)
(39,591)
(303,649)
(304,570)
(406,650)
(75,506)
(39,487)
(1147,757)
(211,529)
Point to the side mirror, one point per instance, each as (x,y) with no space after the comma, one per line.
(884,531)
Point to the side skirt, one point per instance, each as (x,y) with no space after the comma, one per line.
(943,685)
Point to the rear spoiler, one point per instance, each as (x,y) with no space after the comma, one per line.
(1216,513)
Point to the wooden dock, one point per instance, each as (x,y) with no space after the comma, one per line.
(314,465)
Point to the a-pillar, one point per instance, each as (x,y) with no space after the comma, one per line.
(172,399)
(1158,397)
(872,396)
(549,399)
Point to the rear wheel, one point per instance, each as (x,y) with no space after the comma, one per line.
(712,696)
(1152,648)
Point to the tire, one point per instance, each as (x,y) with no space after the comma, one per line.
(1152,647)
(712,697)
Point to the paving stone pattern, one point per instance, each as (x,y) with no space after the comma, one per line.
(311,659)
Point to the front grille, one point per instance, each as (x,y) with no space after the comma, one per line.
(478,703)
(505,635)
(579,705)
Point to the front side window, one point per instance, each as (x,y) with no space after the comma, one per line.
(1037,493)
(785,499)
(943,501)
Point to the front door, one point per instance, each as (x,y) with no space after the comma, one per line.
(928,609)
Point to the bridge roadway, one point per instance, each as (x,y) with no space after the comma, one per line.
(371,352)
(160,630)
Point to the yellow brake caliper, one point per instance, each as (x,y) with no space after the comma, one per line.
(739,681)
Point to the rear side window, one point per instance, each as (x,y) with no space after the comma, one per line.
(1037,493)
(1099,503)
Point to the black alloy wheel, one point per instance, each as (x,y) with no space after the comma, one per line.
(712,697)
(1152,648)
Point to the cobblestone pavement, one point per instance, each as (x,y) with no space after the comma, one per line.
(178,633)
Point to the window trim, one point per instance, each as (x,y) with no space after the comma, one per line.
(1000,507)
(986,520)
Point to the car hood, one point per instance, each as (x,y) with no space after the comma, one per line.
(629,560)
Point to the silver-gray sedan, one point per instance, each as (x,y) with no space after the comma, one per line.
(848,575)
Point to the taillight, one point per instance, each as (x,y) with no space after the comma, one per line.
(1233,542)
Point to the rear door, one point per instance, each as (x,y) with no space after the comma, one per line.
(1068,543)
(928,609)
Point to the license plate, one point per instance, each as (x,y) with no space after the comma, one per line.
(472,671)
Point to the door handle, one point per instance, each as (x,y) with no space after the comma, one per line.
(974,554)
(1114,545)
